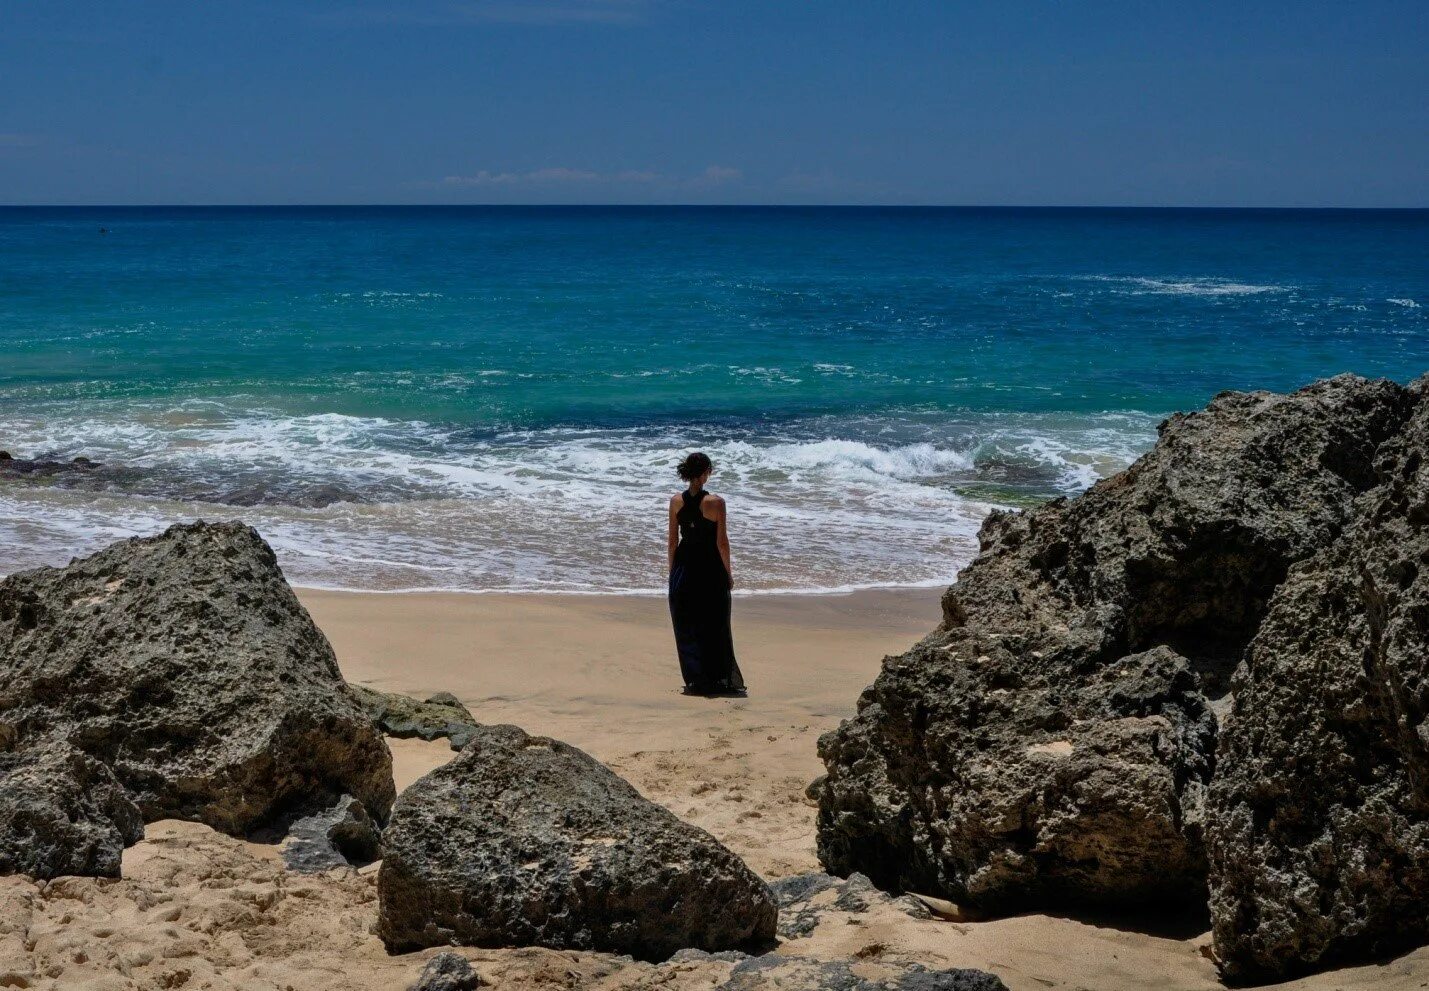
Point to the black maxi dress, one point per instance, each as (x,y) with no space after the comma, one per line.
(700,605)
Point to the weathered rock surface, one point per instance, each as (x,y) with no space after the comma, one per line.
(447,972)
(804,900)
(186,665)
(441,715)
(340,835)
(1052,742)
(12,467)
(174,481)
(1319,810)
(62,812)
(790,973)
(526,841)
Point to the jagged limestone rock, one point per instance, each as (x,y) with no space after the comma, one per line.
(62,812)
(1319,810)
(186,665)
(1052,742)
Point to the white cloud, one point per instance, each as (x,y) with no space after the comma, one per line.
(717,175)
(538,177)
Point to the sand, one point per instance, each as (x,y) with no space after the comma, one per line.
(200,910)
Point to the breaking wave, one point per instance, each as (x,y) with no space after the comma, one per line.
(818,504)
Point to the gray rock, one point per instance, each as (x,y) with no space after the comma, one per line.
(12,467)
(526,841)
(185,663)
(801,910)
(342,834)
(1319,812)
(703,956)
(62,812)
(447,972)
(789,973)
(1052,742)
(442,715)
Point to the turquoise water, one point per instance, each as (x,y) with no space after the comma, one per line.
(454,398)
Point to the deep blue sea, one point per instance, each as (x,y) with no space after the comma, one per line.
(495,398)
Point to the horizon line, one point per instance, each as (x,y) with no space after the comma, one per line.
(689,206)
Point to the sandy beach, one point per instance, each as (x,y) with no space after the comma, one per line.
(199,909)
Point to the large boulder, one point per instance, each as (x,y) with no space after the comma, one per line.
(1319,811)
(1051,743)
(62,812)
(527,841)
(186,665)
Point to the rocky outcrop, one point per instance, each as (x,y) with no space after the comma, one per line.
(1320,804)
(174,481)
(526,841)
(12,467)
(805,900)
(1052,742)
(441,715)
(62,812)
(185,664)
(776,972)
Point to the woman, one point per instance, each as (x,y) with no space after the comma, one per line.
(700,580)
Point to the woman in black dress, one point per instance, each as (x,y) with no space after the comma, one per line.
(700,582)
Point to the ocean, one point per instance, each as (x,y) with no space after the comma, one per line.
(494,399)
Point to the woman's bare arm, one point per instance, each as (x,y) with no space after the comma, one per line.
(673,540)
(721,519)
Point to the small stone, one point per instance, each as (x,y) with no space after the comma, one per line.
(441,715)
(447,971)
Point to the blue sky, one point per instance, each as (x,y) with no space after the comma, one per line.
(1241,103)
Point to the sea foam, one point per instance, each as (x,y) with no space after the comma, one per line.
(377,503)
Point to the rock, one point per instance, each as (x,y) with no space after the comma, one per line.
(185,664)
(171,481)
(339,836)
(701,956)
(1051,744)
(442,715)
(527,841)
(1319,811)
(789,973)
(12,467)
(447,972)
(802,909)
(62,812)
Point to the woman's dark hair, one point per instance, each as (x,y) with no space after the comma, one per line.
(694,465)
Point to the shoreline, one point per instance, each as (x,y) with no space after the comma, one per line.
(937,584)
